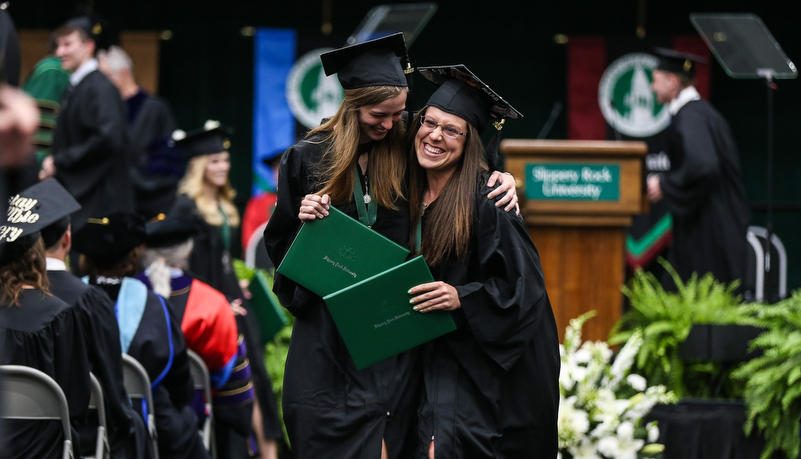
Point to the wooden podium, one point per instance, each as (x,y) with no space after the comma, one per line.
(578,198)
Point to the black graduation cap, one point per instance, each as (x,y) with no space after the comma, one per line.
(168,231)
(110,237)
(676,62)
(30,211)
(370,63)
(211,138)
(463,94)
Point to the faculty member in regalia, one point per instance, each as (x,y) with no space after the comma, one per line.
(491,386)
(111,248)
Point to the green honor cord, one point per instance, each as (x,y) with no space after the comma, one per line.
(369,214)
(225,230)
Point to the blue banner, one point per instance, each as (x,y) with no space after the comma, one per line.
(273,122)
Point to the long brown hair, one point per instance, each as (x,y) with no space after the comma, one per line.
(192,185)
(29,269)
(449,223)
(386,161)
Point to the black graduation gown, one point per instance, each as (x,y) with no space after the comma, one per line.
(128,436)
(705,194)
(491,386)
(155,176)
(331,409)
(153,344)
(44,332)
(90,149)
(211,263)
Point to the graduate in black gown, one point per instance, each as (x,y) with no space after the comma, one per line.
(127,433)
(210,330)
(110,248)
(37,329)
(90,143)
(356,161)
(206,199)
(703,188)
(491,386)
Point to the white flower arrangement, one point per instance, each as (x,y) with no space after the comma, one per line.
(602,404)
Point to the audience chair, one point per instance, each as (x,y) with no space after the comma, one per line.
(28,393)
(97,403)
(202,382)
(137,384)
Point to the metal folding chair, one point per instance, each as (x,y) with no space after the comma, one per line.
(30,394)
(201,381)
(137,384)
(97,403)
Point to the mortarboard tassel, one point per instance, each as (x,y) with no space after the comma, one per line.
(493,147)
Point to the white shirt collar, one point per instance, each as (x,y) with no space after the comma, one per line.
(687,94)
(54,264)
(85,69)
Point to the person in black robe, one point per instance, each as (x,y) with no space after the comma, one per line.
(331,409)
(110,249)
(157,167)
(206,200)
(703,188)
(127,433)
(90,142)
(491,386)
(210,330)
(38,330)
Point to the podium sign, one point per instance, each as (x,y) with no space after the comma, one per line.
(588,182)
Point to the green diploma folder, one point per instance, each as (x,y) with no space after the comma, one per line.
(337,251)
(376,320)
(269,312)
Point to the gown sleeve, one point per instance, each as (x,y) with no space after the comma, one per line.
(178,380)
(284,225)
(696,169)
(503,308)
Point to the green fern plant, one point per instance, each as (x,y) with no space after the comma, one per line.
(773,381)
(666,318)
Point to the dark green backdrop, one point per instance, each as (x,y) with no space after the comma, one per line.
(207,66)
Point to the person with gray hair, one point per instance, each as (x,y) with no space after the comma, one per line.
(158,166)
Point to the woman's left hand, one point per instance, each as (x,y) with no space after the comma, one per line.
(434,296)
(507,185)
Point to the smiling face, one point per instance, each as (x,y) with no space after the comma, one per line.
(217,168)
(73,51)
(436,152)
(376,120)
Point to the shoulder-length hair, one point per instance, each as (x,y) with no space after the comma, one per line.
(386,162)
(449,223)
(192,186)
(29,269)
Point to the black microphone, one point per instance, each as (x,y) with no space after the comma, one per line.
(557,108)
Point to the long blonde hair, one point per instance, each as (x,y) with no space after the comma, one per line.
(192,186)
(386,161)
(450,222)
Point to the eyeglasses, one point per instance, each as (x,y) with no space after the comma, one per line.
(447,131)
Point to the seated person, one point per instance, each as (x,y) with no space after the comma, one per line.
(111,248)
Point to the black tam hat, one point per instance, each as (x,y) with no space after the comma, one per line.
(371,63)
(169,231)
(210,139)
(678,63)
(463,94)
(111,237)
(29,212)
